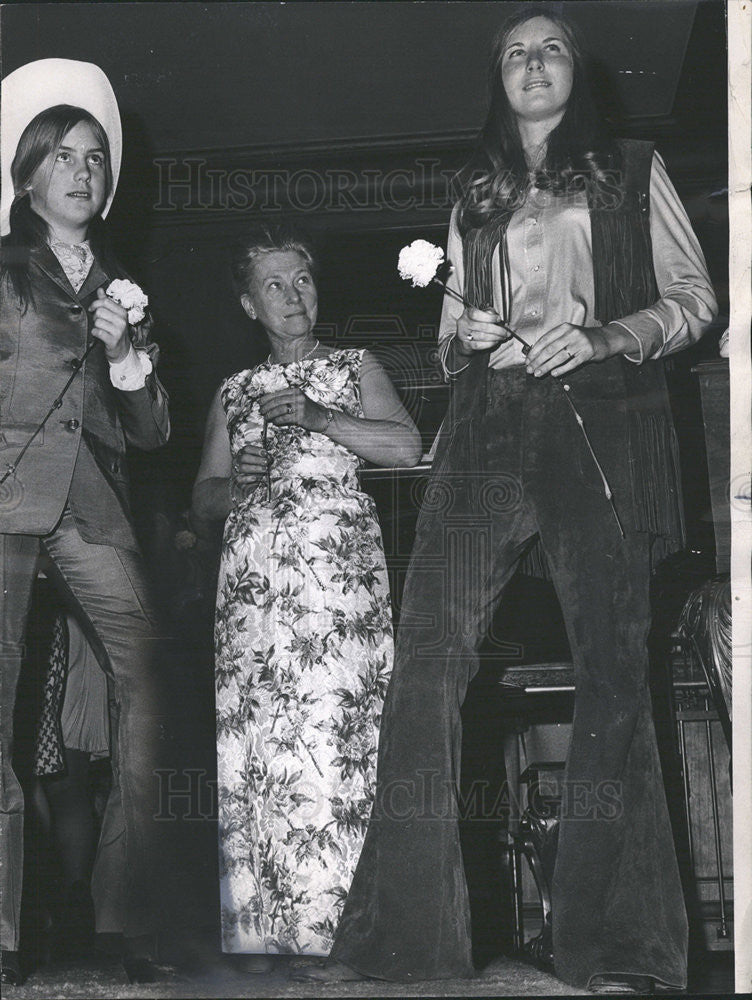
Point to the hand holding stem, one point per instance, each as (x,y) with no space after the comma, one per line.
(480,329)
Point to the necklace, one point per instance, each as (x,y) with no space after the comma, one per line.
(306,355)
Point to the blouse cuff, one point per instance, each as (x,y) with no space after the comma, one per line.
(130,373)
(648,333)
(444,349)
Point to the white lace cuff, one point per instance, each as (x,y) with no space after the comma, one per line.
(130,373)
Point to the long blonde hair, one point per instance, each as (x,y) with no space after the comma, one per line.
(28,230)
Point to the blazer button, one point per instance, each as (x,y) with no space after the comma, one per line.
(72,424)
(75,363)
(76,310)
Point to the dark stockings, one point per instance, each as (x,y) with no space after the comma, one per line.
(72,816)
(74,837)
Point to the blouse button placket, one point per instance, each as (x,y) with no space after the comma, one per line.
(536,285)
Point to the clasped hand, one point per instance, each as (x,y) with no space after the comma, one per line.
(566,347)
(249,466)
(110,326)
(560,350)
(292,406)
(284,408)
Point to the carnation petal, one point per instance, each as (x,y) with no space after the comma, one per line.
(419,262)
(128,295)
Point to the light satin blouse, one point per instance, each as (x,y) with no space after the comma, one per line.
(551,275)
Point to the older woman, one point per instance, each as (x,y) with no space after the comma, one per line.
(580,246)
(303,625)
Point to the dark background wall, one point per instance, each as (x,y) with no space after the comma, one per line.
(350,117)
(225,75)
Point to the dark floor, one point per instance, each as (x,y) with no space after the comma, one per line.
(194,967)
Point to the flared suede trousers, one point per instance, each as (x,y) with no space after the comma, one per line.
(512,465)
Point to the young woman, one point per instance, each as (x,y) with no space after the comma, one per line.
(579,246)
(66,494)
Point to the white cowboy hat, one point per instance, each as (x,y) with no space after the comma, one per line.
(43,84)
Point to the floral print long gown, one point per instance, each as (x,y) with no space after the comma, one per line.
(303,641)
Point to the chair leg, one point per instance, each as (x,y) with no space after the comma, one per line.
(519,917)
(539,949)
(512,768)
(529,851)
(723,931)
(510,878)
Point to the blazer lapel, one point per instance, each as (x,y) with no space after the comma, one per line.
(48,262)
(94,280)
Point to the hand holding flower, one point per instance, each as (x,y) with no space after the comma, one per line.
(419,263)
(128,295)
(559,351)
(110,326)
(249,467)
(479,330)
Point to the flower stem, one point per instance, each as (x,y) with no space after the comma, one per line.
(264,439)
(466,304)
(565,386)
(606,488)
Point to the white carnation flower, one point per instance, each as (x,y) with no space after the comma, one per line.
(128,295)
(419,262)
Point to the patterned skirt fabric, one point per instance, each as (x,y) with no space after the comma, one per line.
(303,657)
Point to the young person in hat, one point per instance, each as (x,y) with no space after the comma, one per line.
(66,495)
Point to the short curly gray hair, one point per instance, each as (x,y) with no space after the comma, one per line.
(266,238)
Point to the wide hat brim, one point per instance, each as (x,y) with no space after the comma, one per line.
(43,84)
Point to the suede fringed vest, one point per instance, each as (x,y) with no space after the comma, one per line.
(624,282)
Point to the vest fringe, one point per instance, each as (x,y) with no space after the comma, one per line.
(624,284)
(654,459)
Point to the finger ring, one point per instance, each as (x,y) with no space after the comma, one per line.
(289,407)
(469,336)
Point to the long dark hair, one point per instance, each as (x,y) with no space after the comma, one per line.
(28,230)
(579,150)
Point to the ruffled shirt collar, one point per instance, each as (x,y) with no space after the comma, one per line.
(75,259)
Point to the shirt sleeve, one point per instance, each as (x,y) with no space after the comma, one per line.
(687,302)
(130,373)
(451,309)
